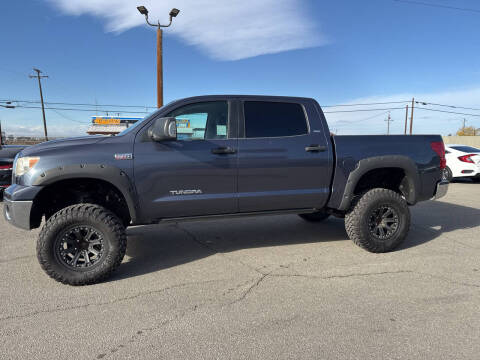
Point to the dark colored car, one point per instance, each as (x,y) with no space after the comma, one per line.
(7,155)
(214,156)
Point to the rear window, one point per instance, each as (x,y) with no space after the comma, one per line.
(467,149)
(274,119)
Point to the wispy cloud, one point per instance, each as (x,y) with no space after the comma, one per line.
(226,30)
(425,121)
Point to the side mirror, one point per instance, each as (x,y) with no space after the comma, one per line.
(163,129)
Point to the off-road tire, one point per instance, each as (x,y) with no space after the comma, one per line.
(358,218)
(318,216)
(90,215)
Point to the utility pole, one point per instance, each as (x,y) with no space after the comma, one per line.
(173,13)
(411,117)
(406,120)
(39,77)
(7,106)
(389,120)
(464,121)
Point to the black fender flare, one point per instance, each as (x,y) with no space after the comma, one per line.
(412,176)
(107,173)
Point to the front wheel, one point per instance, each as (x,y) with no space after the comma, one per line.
(378,221)
(81,244)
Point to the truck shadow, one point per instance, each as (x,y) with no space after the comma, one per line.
(157,247)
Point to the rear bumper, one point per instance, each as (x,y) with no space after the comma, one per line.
(17,213)
(442,189)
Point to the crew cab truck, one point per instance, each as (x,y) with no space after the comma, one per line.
(212,156)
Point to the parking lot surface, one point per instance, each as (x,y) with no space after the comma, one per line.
(257,288)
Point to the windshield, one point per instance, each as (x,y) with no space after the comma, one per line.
(137,124)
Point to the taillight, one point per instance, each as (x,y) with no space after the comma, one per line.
(439,148)
(6,167)
(467,158)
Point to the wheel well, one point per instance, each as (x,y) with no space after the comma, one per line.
(61,194)
(391,178)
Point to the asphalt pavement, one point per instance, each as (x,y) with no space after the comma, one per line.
(272,287)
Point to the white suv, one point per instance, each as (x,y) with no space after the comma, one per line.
(462,161)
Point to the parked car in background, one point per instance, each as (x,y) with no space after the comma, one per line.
(463,161)
(7,156)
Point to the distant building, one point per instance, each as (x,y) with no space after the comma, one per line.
(110,125)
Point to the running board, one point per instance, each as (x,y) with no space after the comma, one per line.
(234,215)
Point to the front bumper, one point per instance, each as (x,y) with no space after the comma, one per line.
(17,213)
(18,203)
(442,189)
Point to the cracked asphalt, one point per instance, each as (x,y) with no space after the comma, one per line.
(257,288)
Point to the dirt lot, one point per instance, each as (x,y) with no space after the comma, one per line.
(258,288)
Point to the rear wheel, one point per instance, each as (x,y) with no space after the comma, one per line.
(378,221)
(447,174)
(315,217)
(81,244)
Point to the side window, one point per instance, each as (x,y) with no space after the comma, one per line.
(274,119)
(202,121)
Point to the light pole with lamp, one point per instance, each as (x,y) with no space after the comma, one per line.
(173,13)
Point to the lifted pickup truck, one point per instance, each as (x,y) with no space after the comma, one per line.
(212,156)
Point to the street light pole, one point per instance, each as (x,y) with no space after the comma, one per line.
(173,13)
(159,67)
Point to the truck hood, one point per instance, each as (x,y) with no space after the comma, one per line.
(62,143)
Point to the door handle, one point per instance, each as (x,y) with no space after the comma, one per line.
(224,150)
(316,148)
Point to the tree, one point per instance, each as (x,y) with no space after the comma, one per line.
(468,131)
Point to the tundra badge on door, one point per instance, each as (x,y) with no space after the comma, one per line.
(186,192)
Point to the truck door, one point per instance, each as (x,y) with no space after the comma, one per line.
(285,160)
(197,173)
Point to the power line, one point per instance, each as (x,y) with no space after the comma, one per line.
(89,110)
(80,104)
(68,118)
(448,112)
(450,106)
(347,122)
(365,104)
(438,5)
(361,110)
(154,107)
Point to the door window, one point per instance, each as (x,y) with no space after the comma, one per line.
(274,119)
(202,121)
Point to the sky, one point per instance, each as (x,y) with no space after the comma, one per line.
(338,52)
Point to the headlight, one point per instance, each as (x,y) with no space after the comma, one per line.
(25,164)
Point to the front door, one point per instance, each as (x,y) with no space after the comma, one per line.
(194,175)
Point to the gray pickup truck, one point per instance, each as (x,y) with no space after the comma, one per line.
(213,156)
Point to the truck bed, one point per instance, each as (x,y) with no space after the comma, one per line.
(414,151)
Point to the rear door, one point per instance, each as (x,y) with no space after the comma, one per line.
(284,159)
